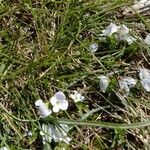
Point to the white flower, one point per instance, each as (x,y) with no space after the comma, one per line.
(43,110)
(146,84)
(59,102)
(104,82)
(145,78)
(93,47)
(144,73)
(147,39)
(127,83)
(123,34)
(57,133)
(112,28)
(4,148)
(77,97)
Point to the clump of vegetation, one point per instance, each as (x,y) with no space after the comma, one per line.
(74,74)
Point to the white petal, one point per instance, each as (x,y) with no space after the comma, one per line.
(147,39)
(60,96)
(56,108)
(112,28)
(64,105)
(72,96)
(44,111)
(104,82)
(146,84)
(144,73)
(93,47)
(53,101)
(130,81)
(39,102)
(123,85)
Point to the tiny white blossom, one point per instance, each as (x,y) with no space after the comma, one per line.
(146,84)
(147,39)
(112,28)
(145,78)
(43,110)
(104,82)
(57,133)
(123,30)
(144,73)
(59,102)
(4,148)
(93,47)
(123,34)
(77,97)
(127,83)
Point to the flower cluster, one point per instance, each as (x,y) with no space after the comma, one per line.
(128,82)
(122,33)
(58,102)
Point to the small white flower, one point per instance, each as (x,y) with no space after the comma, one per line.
(123,34)
(146,84)
(144,73)
(93,47)
(145,78)
(104,82)
(4,148)
(112,28)
(43,110)
(127,83)
(77,97)
(59,102)
(147,39)
(57,133)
